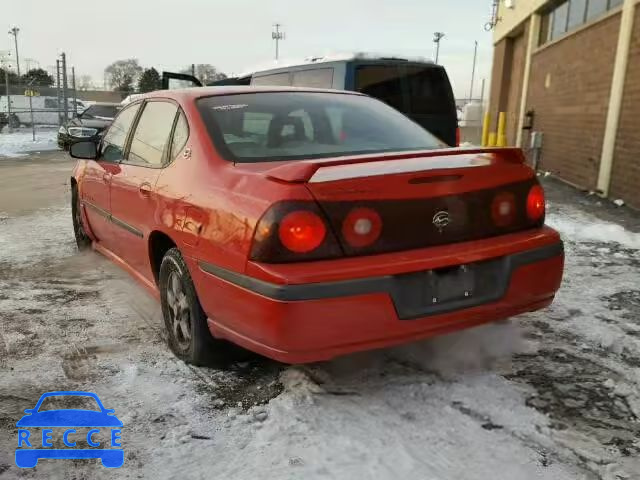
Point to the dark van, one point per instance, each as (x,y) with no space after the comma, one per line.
(421,90)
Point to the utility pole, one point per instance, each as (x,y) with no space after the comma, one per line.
(193,69)
(437,36)
(14,31)
(277,35)
(65,98)
(58,90)
(75,93)
(473,71)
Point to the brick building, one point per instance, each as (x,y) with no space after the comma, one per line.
(576,65)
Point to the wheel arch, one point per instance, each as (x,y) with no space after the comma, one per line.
(159,244)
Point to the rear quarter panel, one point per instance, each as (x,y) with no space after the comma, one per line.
(210,207)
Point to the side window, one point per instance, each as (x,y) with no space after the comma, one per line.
(152,134)
(180,135)
(116,136)
(275,79)
(314,78)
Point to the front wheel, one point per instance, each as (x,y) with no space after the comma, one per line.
(82,239)
(186,322)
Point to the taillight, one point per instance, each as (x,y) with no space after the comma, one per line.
(302,231)
(293,231)
(503,209)
(361,227)
(535,203)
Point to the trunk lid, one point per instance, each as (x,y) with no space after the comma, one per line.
(420,198)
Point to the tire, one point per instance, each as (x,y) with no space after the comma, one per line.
(188,335)
(82,239)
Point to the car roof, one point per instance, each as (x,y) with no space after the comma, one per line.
(199,92)
(308,62)
(105,104)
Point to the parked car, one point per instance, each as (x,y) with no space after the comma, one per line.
(305,224)
(419,89)
(46,110)
(89,124)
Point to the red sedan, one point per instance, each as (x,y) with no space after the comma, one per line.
(307,224)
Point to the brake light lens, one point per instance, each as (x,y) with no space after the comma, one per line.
(361,227)
(503,209)
(302,231)
(535,203)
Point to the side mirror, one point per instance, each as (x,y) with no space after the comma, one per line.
(86,150)
(29,410)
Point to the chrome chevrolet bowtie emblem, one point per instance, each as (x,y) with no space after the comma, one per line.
(441,220)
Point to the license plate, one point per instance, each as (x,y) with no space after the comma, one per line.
(450,284)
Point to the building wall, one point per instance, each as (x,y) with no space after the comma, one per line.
(625,179)
(507,80)
(510,18)
(569,91)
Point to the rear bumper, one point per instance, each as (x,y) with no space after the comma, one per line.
(298,323)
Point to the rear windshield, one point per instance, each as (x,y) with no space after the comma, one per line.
(271,126)
(415,89)
(103,111)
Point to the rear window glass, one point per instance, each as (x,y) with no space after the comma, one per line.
(104,111)
(415,89)
(382,82)
(275,126)
(429,90)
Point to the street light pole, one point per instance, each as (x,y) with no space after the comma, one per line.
(14,31)
(473,71)
(437,36)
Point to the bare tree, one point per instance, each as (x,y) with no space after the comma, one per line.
(206,73)
(85,82)
(122,73)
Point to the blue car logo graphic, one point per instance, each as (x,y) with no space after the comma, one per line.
(29,451)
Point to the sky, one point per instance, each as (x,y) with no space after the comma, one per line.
(235,35)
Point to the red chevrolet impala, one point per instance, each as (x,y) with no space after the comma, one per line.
(305,224)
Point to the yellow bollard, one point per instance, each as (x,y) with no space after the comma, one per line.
(485,129)
(491,141)
(502,130)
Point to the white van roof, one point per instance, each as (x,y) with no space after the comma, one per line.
(332,57)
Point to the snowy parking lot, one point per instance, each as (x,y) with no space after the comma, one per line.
(548,395)
(20,142)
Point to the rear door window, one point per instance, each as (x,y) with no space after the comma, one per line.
(151,135)
(283,79)
(314,78)
(180,135)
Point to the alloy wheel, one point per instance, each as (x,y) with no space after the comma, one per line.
(179,312)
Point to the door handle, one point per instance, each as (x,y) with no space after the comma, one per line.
(106,177)
(145,189)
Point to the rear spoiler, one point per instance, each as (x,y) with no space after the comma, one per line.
(303,171)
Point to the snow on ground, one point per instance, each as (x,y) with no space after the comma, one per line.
(552,395)
(20,141)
